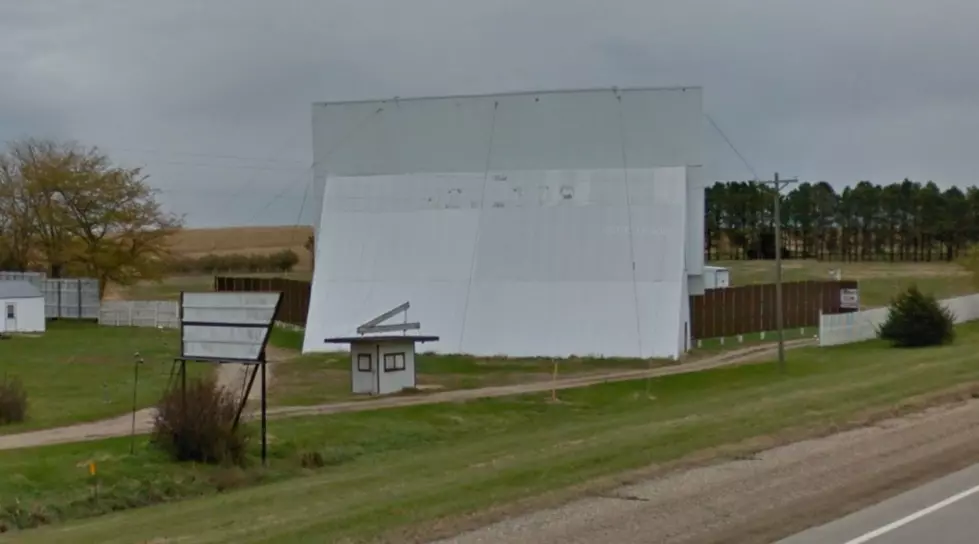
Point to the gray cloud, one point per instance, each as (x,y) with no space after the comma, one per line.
(214,97)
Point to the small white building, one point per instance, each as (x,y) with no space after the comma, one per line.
(716,277)
(381,365)
(21,308)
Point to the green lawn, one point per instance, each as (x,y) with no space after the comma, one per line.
(78,371)
(879,281)
(389,473)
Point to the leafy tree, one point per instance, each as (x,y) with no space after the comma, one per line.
(84,214)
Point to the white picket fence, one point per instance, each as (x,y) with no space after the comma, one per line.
(140,313)
(837,329)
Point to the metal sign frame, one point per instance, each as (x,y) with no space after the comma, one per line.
(257,364)
(375,326)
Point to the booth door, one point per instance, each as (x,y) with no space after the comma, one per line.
(11,317)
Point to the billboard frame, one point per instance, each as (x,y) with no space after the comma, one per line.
(258,364)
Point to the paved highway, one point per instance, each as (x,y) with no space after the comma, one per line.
(945,511)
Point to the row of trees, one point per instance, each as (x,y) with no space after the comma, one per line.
(71,210)
(280,261)
(906,221)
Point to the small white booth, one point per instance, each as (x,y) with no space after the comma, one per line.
(22,307)
(381,364)
(716,277)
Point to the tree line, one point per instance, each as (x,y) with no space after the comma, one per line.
(69,210)
(906,221)
(280,261)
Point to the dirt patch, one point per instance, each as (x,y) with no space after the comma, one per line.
(755,491)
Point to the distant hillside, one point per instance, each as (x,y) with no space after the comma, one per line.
(243,240)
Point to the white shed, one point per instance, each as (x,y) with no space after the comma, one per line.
(381,365)
(716,277)
(22,307)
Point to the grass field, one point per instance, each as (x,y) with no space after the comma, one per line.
(243,240)
(170,288)
(220,241)
(78,372)
(390,474)
(879,281)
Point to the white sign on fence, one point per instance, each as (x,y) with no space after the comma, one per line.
(837,329)
(140,313)
(850,299)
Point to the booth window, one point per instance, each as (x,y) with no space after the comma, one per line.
(363,362)
(394,362)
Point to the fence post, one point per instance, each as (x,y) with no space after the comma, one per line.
(819,328)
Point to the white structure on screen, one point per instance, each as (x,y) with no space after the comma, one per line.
(529,224)
(22,307)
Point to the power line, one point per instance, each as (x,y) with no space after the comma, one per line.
(297,162)
(280,194)
(227,166)
(751,169)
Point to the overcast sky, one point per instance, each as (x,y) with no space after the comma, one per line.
(213,96)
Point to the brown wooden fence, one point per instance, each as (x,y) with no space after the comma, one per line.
(295,294)
(718,312)
(751,308)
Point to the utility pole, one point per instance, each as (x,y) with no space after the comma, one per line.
(778,267)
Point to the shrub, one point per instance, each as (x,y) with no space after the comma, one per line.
(198,426)
(284,261)
(915,319)
(13,401)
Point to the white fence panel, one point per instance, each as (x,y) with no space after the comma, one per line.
(837,329)
(140,313)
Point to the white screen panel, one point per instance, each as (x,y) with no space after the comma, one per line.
(409,246)
(338,308)
(562,130)
(240,308)
(696,219)
(541,131)
(552,319)
(547,266)
(553,245)
(210,342)
(658,216)
(404,193)
(226,326)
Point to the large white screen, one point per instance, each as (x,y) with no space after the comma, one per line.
(539,223)
(534,263)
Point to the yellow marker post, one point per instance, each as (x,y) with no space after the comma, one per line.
(95,485)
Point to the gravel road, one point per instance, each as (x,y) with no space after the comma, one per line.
(230,375)
(763,498)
